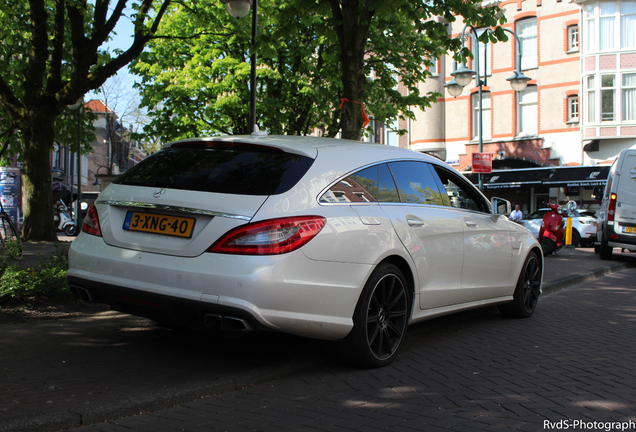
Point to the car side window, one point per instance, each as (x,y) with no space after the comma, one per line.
(460,193)
(415,183)
(369,185)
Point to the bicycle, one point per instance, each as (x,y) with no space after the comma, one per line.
(9,236)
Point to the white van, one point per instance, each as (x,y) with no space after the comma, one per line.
(617,217)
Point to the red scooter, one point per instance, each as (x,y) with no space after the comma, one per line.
(552,231)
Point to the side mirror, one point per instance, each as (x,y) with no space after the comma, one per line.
(500,206)
(571,206)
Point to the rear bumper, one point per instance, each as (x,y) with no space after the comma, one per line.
(288,293)
(165,309)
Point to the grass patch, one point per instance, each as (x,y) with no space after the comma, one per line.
(46,281)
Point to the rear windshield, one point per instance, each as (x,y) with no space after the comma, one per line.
(231,171)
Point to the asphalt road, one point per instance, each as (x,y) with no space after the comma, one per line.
(455,370)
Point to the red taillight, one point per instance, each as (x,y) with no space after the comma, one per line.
(91,222)
(270,237)
(611,208)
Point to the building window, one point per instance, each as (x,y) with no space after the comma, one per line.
(485,112)
(573,38)
(590,27)
(608,25)
(590,89)
(573,108)
(527,32)
(433,68)
(56,157)
(629,96)
(484,56)
(608,97)
(611,30)
(528,112)
(628,24)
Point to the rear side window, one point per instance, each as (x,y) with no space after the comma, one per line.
(373,184)
(248,171)
(416,184)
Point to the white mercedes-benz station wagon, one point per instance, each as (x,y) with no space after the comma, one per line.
(323,238)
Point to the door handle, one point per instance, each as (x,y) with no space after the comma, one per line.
(470,223)
(415,222)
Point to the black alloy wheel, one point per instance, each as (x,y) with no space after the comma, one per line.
(576,238)
(527,291)
(380,319)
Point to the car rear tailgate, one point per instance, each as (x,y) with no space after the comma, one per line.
(170,221)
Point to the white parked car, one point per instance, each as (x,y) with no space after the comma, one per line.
(322,238)
(583,225)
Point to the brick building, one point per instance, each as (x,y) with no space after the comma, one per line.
(535,128)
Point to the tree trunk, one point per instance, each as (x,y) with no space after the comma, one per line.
(352,31)
(354,90)
(37,199)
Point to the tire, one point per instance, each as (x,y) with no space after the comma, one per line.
(576,238)
(547,245)
(70,230)
(605,250)
(527,291)
(10,239)
(380,319)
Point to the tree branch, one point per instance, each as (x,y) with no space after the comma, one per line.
(39,52)
(55,75)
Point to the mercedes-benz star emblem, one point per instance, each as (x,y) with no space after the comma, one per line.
(158,193)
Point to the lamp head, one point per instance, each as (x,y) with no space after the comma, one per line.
(237,8)
(463,75)
(453,88)
(518,81)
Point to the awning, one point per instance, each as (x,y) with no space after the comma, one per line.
(501,179)
(550,177)
(577,176)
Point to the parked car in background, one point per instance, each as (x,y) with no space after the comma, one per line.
(317,237)
(583,225)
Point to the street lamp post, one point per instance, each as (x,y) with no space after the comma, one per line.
(78,217)
(238,9)
(462,76)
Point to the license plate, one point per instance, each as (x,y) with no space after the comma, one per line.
(629,230)
(159,224)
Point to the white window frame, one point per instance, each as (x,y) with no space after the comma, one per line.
(433,69)
(628,97)
(609,25)
(590,98)
(573,108)
(486,115)
(528,108)
(484,55)
(628,24)
(573,38)
(606,91)
(528,38)
(589,21)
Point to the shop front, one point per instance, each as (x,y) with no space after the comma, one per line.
(532,187)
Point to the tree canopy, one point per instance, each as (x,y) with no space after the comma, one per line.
(311,54)
(52,54)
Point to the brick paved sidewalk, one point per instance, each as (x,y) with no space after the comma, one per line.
(573,361)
